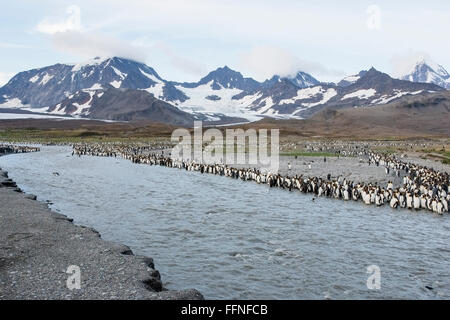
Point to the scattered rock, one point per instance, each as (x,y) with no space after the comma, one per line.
(30,196)
(120,248)
(155,274)
(8,183)
(147,261)
(153,284)
(62,217)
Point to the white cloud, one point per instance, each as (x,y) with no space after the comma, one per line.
(212,33)
(179,62)
(71,23)
(68,35)
(5,77)
(266,61)
(182,63)
(187,65)
(89,45)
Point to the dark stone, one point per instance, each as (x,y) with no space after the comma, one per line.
(120,248)
(147,261)
(127,251)
(9,183)
(155,274)
(213,97)
(31,196)
(64,218)
(153,284)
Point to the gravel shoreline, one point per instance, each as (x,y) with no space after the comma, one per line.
(37,246)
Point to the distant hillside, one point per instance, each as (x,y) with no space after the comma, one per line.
(122,105)
(411,116)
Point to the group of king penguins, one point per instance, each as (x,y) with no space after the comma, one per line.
(422,188)
(10,148)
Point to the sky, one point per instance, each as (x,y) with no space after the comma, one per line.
(184,40)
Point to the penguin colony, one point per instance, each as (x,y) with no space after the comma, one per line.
(9,148)
(422,188)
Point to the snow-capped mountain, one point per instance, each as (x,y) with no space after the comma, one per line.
(129,104)
(47,86)
(283,99)
(429,72)
(300,80)
(348,80)
(226,91)
(303,80)
(74,89)
(224,78)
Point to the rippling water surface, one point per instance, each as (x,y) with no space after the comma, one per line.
(239,240)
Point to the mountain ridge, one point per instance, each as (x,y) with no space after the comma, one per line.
(222,93)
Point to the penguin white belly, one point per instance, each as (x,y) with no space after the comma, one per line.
(439,208)
(346,197)
(393,203)
(416,203)
(409,202)
(402,202)
(378,200)
(423,202)
(445,204)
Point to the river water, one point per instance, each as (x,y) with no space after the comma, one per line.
(239,240)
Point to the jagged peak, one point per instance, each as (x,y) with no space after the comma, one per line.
(225,69)
(223,76)
(300,79)
(428,63)
(372,72)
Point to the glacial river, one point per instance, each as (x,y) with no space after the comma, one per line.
(239,240)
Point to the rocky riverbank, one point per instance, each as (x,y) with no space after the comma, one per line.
(37,246)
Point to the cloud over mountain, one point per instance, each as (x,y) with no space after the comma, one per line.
(265,61)
(69,35)
(71,23)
